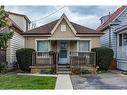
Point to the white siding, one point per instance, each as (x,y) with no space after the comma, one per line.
(19,20)
(113,41)
(16,42)
(123,18)
(105,39)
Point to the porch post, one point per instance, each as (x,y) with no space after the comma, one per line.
(77,45)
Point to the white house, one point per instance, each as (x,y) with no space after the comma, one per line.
(19,24)
(113,38)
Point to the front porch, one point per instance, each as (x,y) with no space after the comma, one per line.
(50,61)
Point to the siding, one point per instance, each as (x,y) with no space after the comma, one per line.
(20,21)
(105,39)
(66,34)
(123,18)
(15,43)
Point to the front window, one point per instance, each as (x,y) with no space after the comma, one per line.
(84,46)
(42,48)
(120,39)
(125,39)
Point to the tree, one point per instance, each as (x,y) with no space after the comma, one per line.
(4,36)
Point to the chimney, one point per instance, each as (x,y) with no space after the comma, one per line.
(105,18)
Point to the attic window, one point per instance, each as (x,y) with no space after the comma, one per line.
(63,28)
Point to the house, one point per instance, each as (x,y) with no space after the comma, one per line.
(114,36)
(62,36)
(18,24)
(121,33)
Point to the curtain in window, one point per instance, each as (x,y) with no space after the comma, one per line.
(42,46)
(84,45)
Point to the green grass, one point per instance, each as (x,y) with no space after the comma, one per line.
(26,82)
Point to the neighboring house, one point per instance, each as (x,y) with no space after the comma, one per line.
(21,20)
(18,24)
(62,36)
(122,47)
(113,38)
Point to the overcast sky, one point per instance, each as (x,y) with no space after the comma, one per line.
(84,15)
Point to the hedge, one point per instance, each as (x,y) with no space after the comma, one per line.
(104,57)
(24,58)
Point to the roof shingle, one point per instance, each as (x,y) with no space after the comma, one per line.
(47,28)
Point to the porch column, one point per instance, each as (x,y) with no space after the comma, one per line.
(77,45)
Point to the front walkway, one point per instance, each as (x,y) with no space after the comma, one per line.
(63,82)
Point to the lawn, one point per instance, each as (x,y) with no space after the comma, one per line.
(27,82)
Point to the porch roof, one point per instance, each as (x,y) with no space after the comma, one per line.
(121,29)
(73,38)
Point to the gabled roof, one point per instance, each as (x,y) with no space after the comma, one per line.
(47,29)
(111,18)
(20,15)
(44,29)
(13,25)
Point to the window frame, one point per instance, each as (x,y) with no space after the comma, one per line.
(121,42)
(65,27)
(43,51)
(89,45)
(124,39)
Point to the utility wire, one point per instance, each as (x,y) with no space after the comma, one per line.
(49,14)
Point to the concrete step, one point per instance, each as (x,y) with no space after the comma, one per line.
(63,72)
(63,66)
(63,69)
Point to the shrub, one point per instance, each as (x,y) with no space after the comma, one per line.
(83,71)
(3,67)
(76,71)
(24,58)
(104,57)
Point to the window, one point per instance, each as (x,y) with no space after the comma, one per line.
(120,39)
(42,46)
(84,46)
(63,28)
(125,39)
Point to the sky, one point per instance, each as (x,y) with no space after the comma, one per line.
(84,15)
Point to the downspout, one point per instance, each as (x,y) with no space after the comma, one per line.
(109,33)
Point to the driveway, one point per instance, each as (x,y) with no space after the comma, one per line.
(100,81)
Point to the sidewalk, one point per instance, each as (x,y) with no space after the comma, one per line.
(63,82)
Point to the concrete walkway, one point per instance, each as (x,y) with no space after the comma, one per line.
(63,82)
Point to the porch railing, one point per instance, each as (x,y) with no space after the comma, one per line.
(51,57)
(80,59)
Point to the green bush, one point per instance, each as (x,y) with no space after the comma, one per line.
(3,67)
(83,71)
(104,57)
(24,58)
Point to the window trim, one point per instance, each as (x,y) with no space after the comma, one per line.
(42,40)
(123,39)
(78,42)
(64,26)
(119,40)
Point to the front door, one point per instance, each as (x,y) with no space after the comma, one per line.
(63,52)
